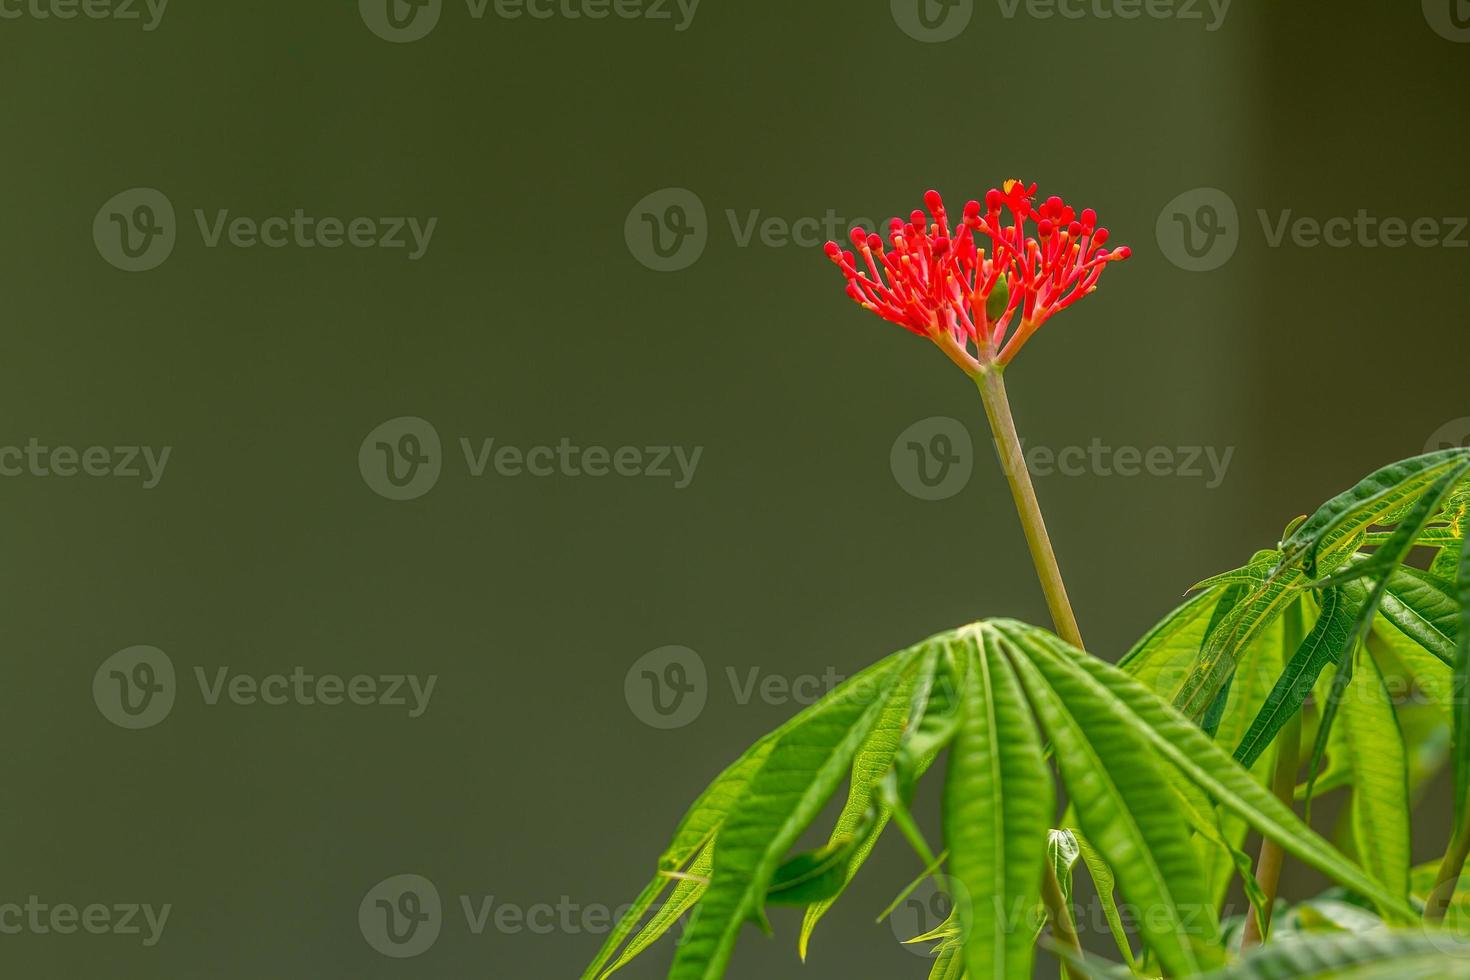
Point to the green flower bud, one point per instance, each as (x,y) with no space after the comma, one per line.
(999,299)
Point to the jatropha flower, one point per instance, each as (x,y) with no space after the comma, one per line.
(988,283)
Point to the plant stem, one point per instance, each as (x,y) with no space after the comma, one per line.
(1062,927)
(1449,875)
(1013,461)
(1268,866)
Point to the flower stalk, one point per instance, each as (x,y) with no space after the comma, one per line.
(1028,508)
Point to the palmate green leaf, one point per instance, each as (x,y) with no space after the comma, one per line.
(1332,534)
(1324,645)
(815,876)
(1425,609)
(949,961)
(1122,804)
(1380,767)
(1161,659)
(708,812)
(1261,664)
(1383,563)
(998,802)
(1104,881)
(687,892)
(800,774)
(1317,547)
(1400,955)
(1446,563)
(1461,692)
(874,758)
(1247,620)
(1202,816)
(695,832)
(1174,738)
(1391,554)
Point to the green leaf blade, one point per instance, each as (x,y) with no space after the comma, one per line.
(998,804)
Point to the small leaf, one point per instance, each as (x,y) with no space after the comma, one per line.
(1103,882)
(1322,646)
(813,876)
(687,892)
(1424,609)
(1374,745)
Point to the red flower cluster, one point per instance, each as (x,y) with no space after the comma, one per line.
(941,284)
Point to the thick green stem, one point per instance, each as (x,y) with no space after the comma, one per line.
(1013,461)
(1449,875)
(1268,866)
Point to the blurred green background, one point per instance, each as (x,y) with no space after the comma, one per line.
(531,779)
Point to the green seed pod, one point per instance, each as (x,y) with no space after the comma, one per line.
(999,299)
